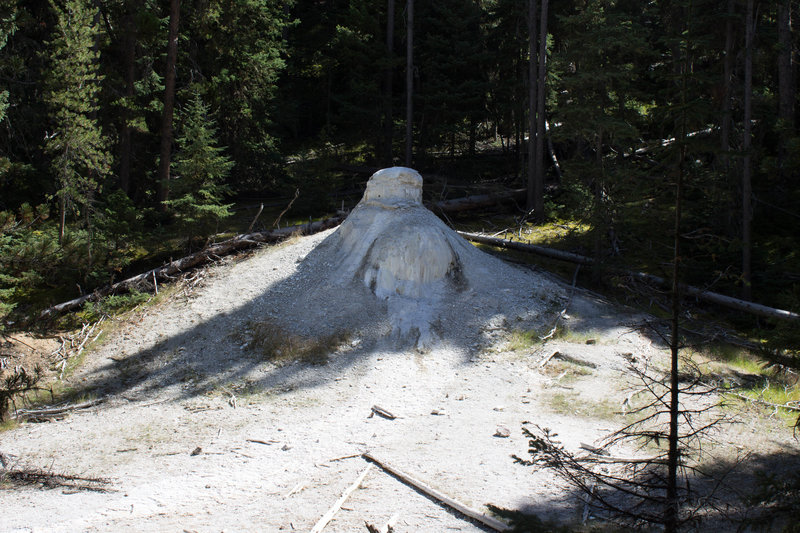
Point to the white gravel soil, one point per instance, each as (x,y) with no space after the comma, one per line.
(269,439)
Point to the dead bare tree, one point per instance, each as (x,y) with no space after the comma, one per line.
(632,491)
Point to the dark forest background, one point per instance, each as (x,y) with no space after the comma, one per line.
(133,131)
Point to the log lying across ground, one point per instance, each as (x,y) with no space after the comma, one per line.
(479,200)
(250,240)
(166,272)
(700,294)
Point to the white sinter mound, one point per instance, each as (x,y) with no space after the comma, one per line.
(396,269)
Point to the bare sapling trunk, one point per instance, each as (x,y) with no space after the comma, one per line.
(747,208)
(786,83)
(541,94)
(532,102)
(727,79)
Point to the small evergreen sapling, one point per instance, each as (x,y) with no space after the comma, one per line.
(200,169)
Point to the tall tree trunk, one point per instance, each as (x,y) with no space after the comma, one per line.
(532,103)
(786,86)
(387,90)
(62,225)
(727,80)
(541,94)
(598,215)
(409,81)
(672,509)
(747,208)
(169,104)
(473,135)
(125,136)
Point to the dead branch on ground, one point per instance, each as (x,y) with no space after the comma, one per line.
(328,516)
(488,521)
(51,480)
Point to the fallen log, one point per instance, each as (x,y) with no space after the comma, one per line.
(240,242)
(530,248)
(478,200)
(700,294)
(24,414)
(488,521)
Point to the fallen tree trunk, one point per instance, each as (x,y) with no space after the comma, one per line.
(530,248)
(486,520)
(240,242)
(250,240)
(479,200)
(700,294)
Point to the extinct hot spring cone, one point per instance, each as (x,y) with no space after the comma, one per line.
(395,267)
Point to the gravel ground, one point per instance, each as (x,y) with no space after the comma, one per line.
(201,431)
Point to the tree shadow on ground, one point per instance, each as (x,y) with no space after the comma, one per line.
(756,492)
(335,326)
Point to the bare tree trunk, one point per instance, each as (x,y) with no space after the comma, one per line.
(787,94)
(473,136)
(598,215)
(671,510)
(62,204)
(169,104)
(409,81)
(747,208)
(786,86)
(125,141)
(532,102)
(387,90)
(541,93)
(727,80)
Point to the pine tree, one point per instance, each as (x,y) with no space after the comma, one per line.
(599,106)
(235,54)
(76,143)
(7,27)
(450,58)
(200,169)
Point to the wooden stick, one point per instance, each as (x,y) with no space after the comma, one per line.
(277,222)
(264,442)
(488,521)
(593,449)
(382,412)
(786,406)
(587,503)
(327,517)
(297,488)
(547,359)
(342,458)
(655,459)
(574,360)
(388,527)
(253,223)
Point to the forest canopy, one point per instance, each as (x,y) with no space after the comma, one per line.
(127,123)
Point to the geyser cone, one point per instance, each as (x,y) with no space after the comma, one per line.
(402,252)
(394,269)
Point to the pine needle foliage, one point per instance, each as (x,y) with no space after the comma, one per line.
(200,169)
(76,144)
